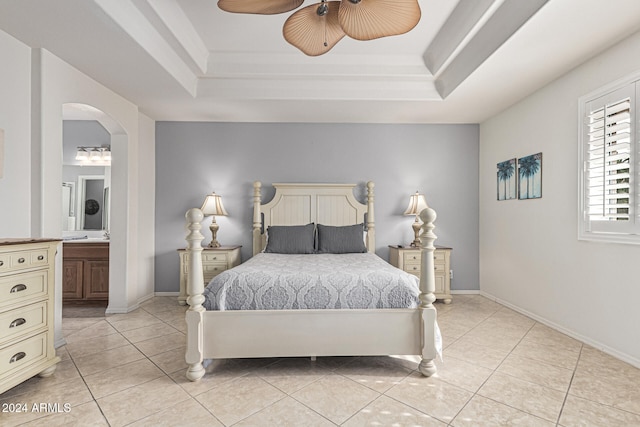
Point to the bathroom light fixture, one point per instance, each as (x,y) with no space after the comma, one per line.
(317,28)
(97,156)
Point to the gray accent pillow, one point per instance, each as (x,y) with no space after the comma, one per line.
(290,239)
(341,240)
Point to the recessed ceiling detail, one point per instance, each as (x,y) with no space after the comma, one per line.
(464,60)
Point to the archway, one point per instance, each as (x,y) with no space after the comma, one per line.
(118,198)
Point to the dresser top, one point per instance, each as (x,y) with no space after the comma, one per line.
(21,241)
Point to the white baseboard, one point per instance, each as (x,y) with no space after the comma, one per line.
(465,291)
(146,298)
(166,294)
(595,344)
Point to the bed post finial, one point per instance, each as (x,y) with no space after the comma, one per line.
(257,218)
(371,222)
(427,288)
(195,288)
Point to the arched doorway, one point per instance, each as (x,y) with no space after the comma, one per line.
(116,179)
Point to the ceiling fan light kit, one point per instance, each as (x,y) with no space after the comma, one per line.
(317,28)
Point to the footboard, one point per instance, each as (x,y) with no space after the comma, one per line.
(295,333)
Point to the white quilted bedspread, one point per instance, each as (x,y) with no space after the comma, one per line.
(318,281)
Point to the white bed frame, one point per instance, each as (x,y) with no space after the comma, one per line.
(309,333)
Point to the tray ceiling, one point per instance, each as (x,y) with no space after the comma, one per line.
(189,61)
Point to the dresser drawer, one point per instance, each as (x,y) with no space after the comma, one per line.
(5,262)
(22,286)
(21,260)
(22,321)
(23,353)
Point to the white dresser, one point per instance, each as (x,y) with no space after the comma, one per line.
(26,310)
(409,260)
(214,262)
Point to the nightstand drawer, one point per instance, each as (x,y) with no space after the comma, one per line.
(22,286)
(22,320)
(412,257)
(23,353)
(214,258)
(413,269)
(212,270)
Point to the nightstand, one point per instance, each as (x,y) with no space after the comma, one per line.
(214,262)
(409,259)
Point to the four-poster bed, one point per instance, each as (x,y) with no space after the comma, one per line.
(239,333)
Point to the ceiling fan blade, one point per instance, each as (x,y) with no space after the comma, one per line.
(372,19)
(311,33)
(260,7)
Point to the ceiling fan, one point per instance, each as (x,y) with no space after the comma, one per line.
(317,28)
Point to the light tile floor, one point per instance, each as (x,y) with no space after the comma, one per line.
(499,368)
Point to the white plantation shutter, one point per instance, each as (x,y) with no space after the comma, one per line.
(609,153)
(609,147)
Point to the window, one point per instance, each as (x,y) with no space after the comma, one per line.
(609,155)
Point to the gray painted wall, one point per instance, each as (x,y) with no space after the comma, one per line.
(441,161)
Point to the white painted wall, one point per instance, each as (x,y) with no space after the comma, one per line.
(62,84)
(15,113)
(147,202)
(529,253)
(34,84)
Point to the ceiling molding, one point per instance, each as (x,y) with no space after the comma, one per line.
(137,26)
(176,21)
(459,25)
(505,21)
(354,88)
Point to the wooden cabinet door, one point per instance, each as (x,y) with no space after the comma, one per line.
(72,276)
(96,280)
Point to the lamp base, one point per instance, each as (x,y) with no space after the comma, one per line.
(417,226)
(214,231)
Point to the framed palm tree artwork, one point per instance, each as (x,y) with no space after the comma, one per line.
(530,177)
(507,179)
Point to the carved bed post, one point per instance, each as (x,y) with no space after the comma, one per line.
(371,230)
(427,288)
(257,218)
(195,288)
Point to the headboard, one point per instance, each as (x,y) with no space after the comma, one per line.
(300,204)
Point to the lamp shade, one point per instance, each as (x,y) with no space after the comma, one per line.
(417,203)
(213,205)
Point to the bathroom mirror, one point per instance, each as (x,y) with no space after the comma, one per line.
(85,204)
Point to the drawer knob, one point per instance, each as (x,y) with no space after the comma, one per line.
(1,263)
(21,260)
(17,357)
(18,288)
(40,257)
(19,321)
